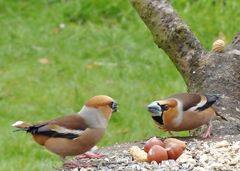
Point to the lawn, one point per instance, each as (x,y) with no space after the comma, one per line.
(55,54)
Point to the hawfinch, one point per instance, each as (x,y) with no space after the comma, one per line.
(74,134)
(184,111)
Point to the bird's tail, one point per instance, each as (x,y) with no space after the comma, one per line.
(222,117)
(212,98)
(21,126)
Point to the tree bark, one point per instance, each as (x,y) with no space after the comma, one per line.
(203,71)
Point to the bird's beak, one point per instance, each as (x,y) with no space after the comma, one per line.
(114,106)
(154,108)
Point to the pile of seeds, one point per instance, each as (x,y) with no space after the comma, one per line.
(222,153)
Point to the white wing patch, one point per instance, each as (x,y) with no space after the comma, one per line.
(177,121)
(63,130)
(200,104)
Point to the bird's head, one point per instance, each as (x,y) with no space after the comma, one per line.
(105,104)
(157,108)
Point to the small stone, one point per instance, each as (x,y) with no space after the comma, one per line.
(129,168)
(75,169)
(216,165)
(223,143)
(205,145)
(112,157)
(154,164)
(185,165)
(165,162)
(93,148)
(223,108)
(144,169)
(235,51)
(234,161)
(174,168)
(106,160)
(181,169)
(224,149)
(203,158)
(136,167)
(101,163)
(192,161)
(125,161)
(120,168)
(169,162)
(86,169)
(223,160)
(198,168)
(184,158)
(236,146)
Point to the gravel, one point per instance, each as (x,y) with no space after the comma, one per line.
(215,154)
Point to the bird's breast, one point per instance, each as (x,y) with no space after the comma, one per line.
(67,147)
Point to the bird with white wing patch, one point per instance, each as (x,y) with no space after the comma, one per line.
(184,112)
(77,133)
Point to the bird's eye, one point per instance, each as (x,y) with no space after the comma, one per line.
(111,105)
(166,107)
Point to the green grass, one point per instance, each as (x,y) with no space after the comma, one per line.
(104,48)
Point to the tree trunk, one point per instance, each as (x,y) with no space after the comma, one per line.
(203,71)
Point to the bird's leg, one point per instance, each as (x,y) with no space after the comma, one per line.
(73,164)
(62,158)
(170,132)
(90,156)
(207,134)
(76,163)
(190,133)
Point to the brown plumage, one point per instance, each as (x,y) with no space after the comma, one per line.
(184,111)
(74,134)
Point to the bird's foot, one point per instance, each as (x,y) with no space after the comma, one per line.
(207,134)
(74,164)
(89,156)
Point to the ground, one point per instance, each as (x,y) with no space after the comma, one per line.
(217,153)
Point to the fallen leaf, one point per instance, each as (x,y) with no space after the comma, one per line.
(44,61)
